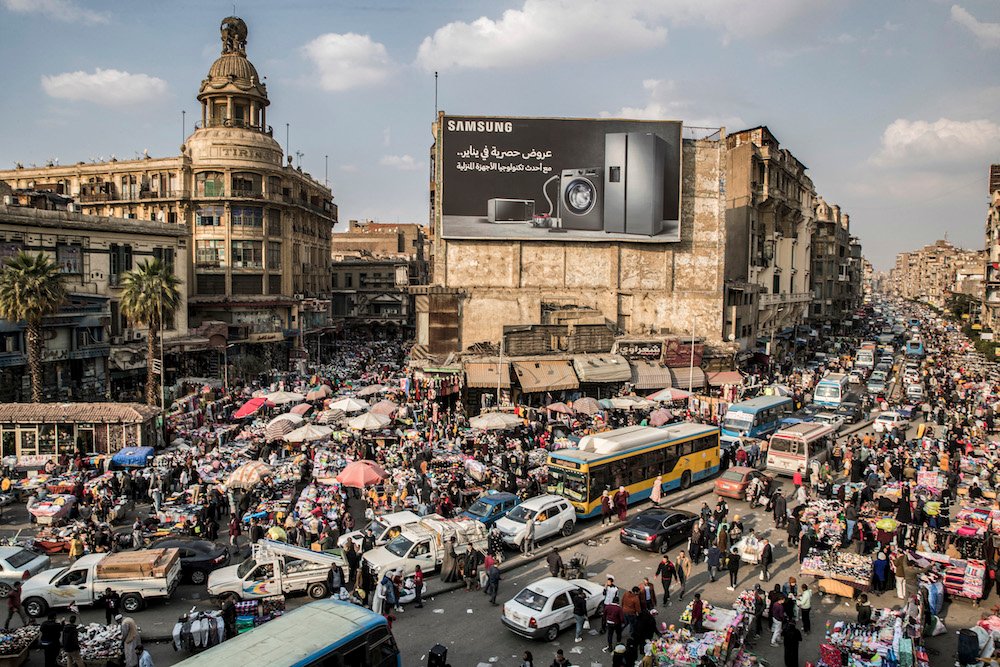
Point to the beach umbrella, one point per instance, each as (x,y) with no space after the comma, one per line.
(360,474)
(561,408)
(642,404)
(283,397)
(669,395)
(349,405)
(660,417)
(386,408)
(308,433)
(495,421)
(251,406)
(249,474)
(289,417)
(587,405)
(369,422)
(301,409)
(373,389)
(279,428)
(319,392)
(623,403)
(330,416)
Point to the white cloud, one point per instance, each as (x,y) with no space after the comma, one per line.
(60,10)
(401,162)
(539,31)
(988,34)
(349,168)
(348,61)
(666,103)
(735,18)
(108,87)
(919,143)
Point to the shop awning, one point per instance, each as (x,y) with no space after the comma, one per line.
(650,375)
(483,374)
(546,375)
(723,378)
(602,368)
(685,377)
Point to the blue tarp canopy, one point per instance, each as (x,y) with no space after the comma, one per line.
(133,456)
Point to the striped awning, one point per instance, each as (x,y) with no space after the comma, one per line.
(483,374)
(722,378)
(686,377)
(546,375)
(650,375)
(602,368)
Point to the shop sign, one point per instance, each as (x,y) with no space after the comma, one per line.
(639,349)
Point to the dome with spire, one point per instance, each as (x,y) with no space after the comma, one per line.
(232,73)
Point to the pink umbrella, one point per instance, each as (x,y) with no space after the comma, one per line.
(560,407)
(360,474)
(252,406)
(301,409)
(660,417)
(386,408)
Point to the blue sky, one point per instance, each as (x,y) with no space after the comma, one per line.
(893,105)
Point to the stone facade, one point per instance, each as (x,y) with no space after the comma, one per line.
(929,274)
(836,267)
(991,285)
(477,287)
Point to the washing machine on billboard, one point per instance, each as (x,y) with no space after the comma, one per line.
(634,164)
(581,195)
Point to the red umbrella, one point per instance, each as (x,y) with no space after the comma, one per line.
(301,409)
(252,406)
(360,474)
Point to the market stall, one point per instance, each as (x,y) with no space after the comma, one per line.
(722,643)
(53,509)
(853,571)
(887,640)
(15,645)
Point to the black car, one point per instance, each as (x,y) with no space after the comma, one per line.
(658,529)
(198,557)
(851,412)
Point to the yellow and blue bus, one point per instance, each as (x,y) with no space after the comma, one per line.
(633,457)
(324,633)
(754,418)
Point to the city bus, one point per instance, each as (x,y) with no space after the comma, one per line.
(324,633)
(633,457)
(794,448)
(754,418)
(831,390)
(914,347)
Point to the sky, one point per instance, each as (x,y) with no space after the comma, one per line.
(894,106)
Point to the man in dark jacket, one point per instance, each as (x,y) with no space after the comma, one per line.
(666,572)
(614,619)
(579,612)
(766,558)
(713,561)
(50,638)
(555,562)
(71,643)
(493,583)
(733,565)
(780,509)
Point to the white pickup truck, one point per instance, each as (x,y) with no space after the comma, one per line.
(384,528)
(137,576)
(424,544)
(275,568)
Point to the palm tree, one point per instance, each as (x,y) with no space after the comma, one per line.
(149,292)
(31,287)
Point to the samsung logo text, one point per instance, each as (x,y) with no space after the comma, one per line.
(480,126)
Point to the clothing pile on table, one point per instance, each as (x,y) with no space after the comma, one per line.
(13,642)
(98,643)
(200,630)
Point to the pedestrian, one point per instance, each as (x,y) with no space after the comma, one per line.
(697,613)
(614,619)
(606,509)
(766,558)
(794,528)
(554,562)
(49,638)
(130,640)
(560,659)
(449,565)
(234,531)
(657,492)
(733,565)
(621,503)
(229,616)
(470,569)
(900,568)
(418,586)
(493,583)
(880,570)
(111,602)
(528,538)
(527,660)
(777,619)
(14,606)
(579,612)
(70,641)
(666,572)
(631,606)
(780,509)
(713,561)
(75,547)
(682,568)
(864,610)
(144,658)
(792,638)
(805,606)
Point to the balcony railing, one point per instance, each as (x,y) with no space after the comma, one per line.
(234,122)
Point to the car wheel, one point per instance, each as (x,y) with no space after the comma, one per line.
(132,602)
(552,633)
(35,607)
(686,480)
(198,577)
(317,591)
(567,529)
(659,545)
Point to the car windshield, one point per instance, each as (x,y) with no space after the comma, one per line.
(782,444)
(377,527)
(531,599)
(737,421)
(21,558)
(520,514)
(733,476)
(399,546)
(827,391)
(480,509)
(245,567)
(567,483)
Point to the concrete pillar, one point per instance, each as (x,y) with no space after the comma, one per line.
(229,107)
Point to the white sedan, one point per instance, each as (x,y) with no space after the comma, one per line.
(887,421)
(544,608)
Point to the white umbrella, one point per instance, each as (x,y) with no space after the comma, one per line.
(623,403)
(349,404)
(495,421)
(308,432)
(369,422)
(373,389)
(283,397)
(288,416)
(329,416)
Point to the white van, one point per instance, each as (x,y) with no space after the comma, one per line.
(553,515)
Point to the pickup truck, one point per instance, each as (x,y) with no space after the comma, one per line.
(137,576)
(424,544)
(275,568)
(384,528)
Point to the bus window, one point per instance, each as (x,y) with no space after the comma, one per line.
(670,457)
(785,445)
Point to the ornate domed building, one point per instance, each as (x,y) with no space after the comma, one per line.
(259,227)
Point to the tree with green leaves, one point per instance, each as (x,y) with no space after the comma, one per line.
(149,294)
(31,287)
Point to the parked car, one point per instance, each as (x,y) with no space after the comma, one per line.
(850,411)
(542,609)
(657,529)
(830,418)
(198,557)
(734,481)
(915,392)
(553,516)
(492,507)
(18,564)
(888,421)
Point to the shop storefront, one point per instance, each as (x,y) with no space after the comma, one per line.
(543,381)
(50,429)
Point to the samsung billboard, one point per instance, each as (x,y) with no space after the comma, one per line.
(560,179)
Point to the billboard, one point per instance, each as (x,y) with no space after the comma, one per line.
(560,179)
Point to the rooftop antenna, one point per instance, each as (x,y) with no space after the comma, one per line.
(299,155)
(183,126)
(326,170)
(287,125)
(435,94)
